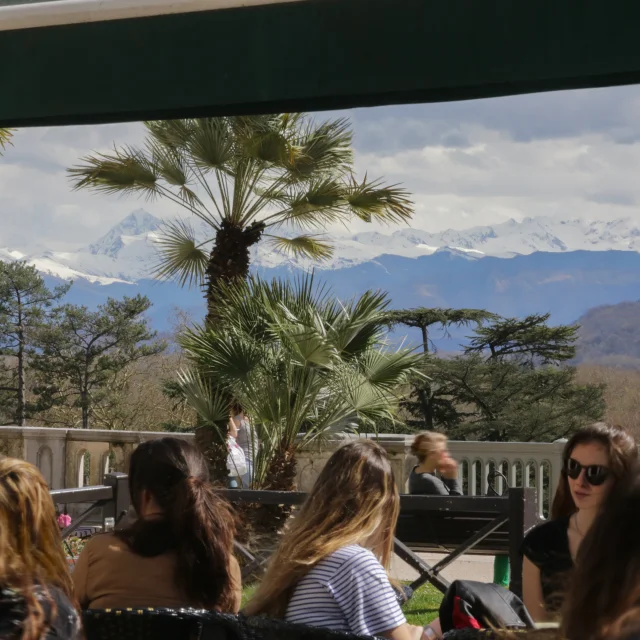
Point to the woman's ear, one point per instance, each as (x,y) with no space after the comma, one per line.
(148,504)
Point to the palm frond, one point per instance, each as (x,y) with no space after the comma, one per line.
(360,324)
(169,163)
(262,138)
(309,206)
(173,134)
(374,201)
(5,137)
(172,166)
(212,408)
(181,257)
(228,358)
(126,170)
(211,144)
(366,402)
(307,343)
(306,246)
(322,148)
(388,370)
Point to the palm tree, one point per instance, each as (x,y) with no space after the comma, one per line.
(279,177)
(301,363)
(5,138)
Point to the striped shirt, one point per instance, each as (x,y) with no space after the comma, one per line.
(347,591)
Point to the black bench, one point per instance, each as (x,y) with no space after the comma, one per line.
(193,624)
(453,525)
(460,525)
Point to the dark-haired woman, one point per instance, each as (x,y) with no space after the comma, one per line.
(596,461)
(604,596)
(178,553)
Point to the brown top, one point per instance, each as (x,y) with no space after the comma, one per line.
(108,575)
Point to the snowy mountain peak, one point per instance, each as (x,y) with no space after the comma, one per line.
(138,223)
(128,251)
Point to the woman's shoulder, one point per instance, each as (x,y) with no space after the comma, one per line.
(103,541)
(105,546)
(423,477)
(356,560)
(351,551)
(548,537)
(67,623)
(13,611)
(548,531)
(347,558)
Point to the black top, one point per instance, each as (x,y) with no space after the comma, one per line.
(428,484)
(547,547)
(66,624)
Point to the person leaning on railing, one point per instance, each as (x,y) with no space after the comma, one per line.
(178,553)
(596,462)
(36,593)
(330,569)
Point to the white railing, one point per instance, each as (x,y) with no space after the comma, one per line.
(70,458)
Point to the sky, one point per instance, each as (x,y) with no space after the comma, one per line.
(565,154)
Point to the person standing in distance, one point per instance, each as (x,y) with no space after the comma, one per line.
(247,439)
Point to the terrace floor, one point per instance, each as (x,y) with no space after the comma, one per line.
(468,567)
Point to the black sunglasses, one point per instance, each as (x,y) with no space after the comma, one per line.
(595,474)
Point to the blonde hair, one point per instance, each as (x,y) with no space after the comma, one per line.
(354,501)
(426,444)
(31,552)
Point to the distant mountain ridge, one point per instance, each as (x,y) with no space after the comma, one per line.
(551,271)
(128,252)
(610,335)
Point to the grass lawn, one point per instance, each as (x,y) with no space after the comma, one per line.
(424,606)
(420,610)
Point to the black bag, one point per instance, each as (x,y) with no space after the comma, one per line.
(478,605)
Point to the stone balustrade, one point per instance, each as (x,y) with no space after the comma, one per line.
(78,457)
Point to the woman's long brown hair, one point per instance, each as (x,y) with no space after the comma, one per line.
(622,452)
(354,501)
(197,523)
(31,554)
(603,600)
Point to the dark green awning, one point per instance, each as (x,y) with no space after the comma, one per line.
(312,55)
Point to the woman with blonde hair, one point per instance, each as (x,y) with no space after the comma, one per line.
(330,569)
(431,450)
(36,593)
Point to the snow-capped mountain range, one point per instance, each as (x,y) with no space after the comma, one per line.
(127,252)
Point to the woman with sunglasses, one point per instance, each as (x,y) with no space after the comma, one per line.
(597,461)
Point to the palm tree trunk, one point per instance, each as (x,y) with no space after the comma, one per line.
(229,259)
(281,476)
(214,448)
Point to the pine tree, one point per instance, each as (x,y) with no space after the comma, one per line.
(81,350)
(512,382)
(25,303)
(423,399)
